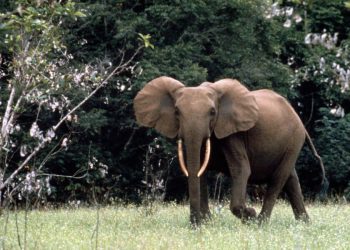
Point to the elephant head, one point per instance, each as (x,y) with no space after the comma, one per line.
(192,114)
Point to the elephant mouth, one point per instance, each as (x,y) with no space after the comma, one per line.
(182,160)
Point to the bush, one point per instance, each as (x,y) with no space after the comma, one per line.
(333,144)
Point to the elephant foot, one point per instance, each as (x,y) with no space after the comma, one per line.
(244,213)
(206,215)
(249,215)
(304,218)
(195,219)
(263,218)
(195,223)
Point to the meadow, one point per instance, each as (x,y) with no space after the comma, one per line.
(166,226)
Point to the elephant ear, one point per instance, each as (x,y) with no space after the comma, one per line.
(238,109)
(154,105)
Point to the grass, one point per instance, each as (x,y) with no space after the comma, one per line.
(166,226)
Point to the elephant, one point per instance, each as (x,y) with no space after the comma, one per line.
(253,136)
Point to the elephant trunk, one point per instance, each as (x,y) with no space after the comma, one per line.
(193,169)
(193,151)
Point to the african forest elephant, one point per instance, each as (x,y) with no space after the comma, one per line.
(254,136)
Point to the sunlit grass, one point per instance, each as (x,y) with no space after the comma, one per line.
(166,226)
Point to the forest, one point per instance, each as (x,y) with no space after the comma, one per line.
(69,71)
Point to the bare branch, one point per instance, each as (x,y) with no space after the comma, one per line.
(24,163)
(65,176)
(117,70)
(4,128)
(52,152)
(129,140)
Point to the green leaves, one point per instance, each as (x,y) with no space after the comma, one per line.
(145,39)
(333,143)
(79,14)
(347,4)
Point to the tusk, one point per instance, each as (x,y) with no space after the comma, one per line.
(206,158)
(181,157)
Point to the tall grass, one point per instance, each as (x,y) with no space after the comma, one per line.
(167,227)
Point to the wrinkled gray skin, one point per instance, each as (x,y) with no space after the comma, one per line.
(256,137)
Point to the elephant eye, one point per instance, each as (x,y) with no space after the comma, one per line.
(212,112)
(177,112)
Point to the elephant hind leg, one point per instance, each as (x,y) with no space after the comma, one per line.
(271,195)
(276,184)
(282,173)
(295,196)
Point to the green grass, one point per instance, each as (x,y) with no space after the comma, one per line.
(167,227)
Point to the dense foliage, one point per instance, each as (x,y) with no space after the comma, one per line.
(298,48)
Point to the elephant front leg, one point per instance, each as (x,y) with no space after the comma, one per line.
(238,194)
(239,168)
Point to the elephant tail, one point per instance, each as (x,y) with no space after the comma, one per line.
(324,183)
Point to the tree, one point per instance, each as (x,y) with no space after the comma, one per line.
(38,75)
(314,42)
